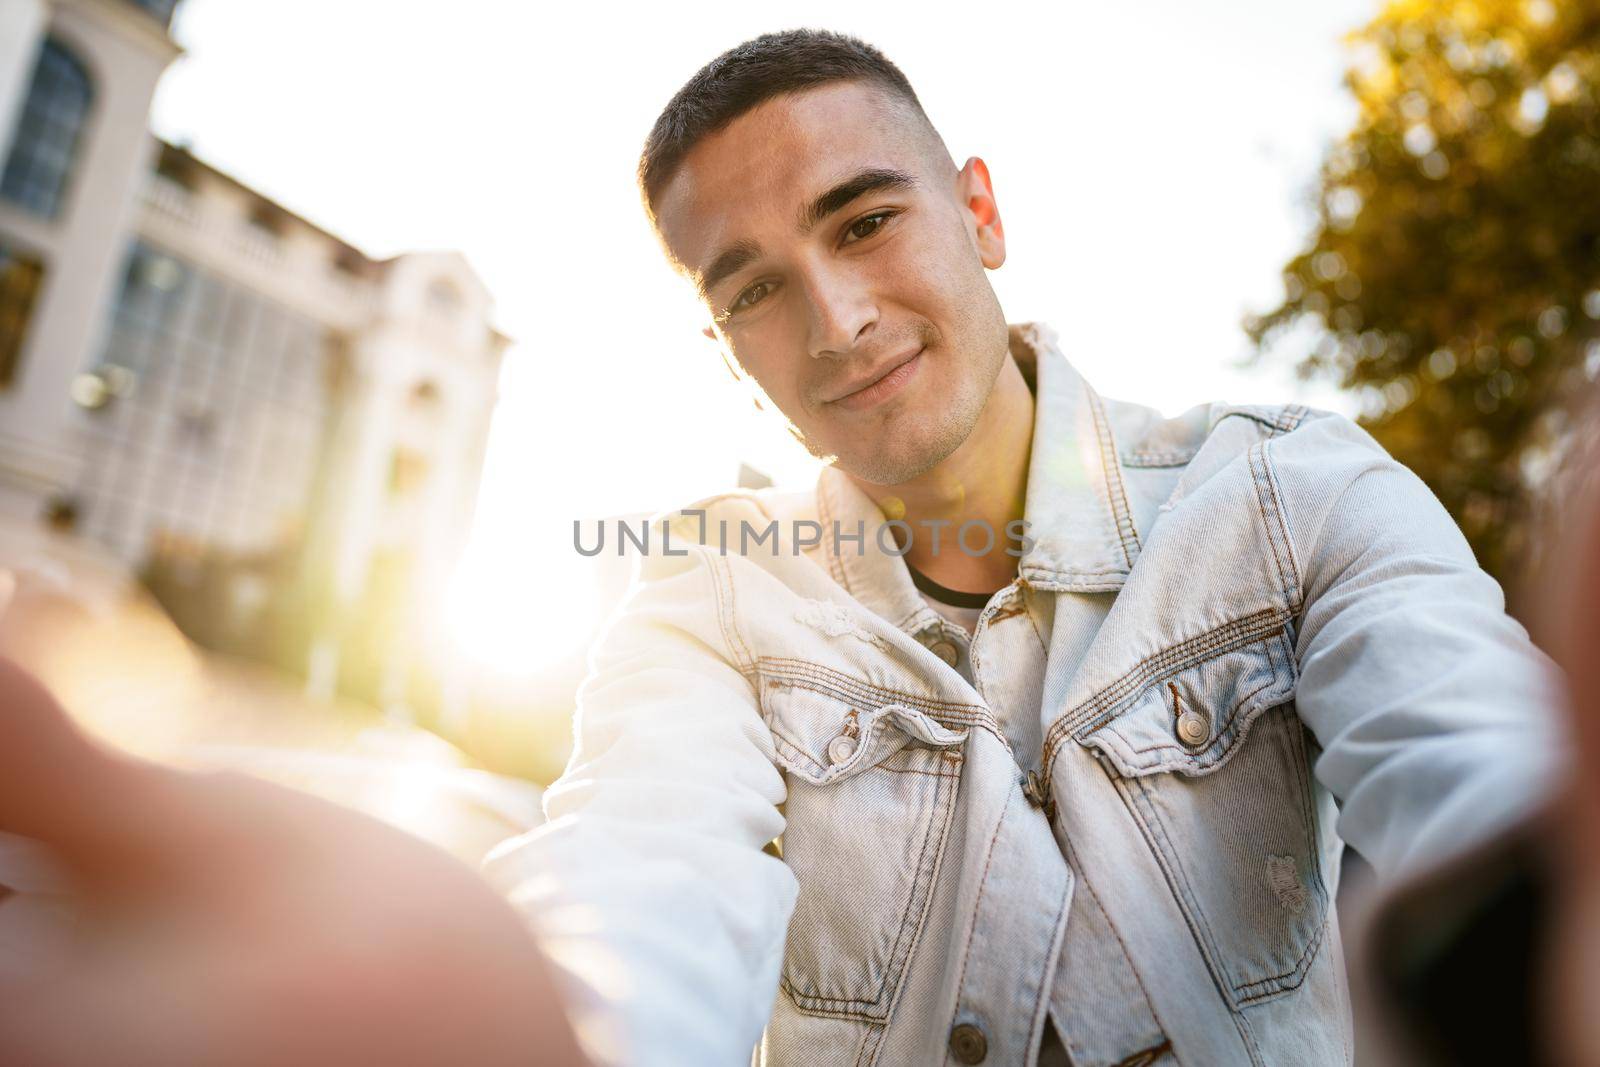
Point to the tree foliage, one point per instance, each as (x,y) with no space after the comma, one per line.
(1453,276)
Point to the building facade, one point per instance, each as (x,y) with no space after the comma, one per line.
(284,435)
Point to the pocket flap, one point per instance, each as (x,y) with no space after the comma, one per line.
(823,737)
(1192,720)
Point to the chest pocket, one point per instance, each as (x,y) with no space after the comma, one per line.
(871,796)
(1212,763)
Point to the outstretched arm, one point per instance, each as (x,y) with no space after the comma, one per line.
(1435,712)
(649,886)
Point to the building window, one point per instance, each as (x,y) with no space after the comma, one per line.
(161,9)
(218,424)
(47,132)
(19,283)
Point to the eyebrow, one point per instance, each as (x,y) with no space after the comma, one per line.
(741,254)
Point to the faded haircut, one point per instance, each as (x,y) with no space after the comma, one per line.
(750,74)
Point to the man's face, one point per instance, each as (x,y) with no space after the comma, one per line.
(843,258)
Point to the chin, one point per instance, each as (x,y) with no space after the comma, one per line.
(889,466)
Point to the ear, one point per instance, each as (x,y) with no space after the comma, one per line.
(977,196)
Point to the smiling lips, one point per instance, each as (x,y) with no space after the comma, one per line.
(884,386)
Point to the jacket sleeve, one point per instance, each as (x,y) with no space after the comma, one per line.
(648,885)
(1436,715)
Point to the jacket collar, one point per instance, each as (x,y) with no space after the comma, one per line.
(1083,533)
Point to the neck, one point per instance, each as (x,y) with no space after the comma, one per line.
(985,479)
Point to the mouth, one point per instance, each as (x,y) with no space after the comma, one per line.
(884,386)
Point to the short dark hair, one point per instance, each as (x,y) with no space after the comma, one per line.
(750,74)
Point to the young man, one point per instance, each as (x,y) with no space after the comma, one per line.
(819,808)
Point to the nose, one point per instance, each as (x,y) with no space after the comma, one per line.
(840,312)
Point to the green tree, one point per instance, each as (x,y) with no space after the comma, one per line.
(1453,275)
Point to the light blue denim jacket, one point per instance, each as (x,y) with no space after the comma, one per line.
(1301,652)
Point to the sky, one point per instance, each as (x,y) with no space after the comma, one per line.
(1152,161)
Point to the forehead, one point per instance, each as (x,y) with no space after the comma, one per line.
(749,180)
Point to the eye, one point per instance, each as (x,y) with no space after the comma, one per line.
(750,296)
(868,225)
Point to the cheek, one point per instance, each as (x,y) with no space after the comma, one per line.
(773,371)
(934,271)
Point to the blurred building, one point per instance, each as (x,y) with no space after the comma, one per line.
(282,434)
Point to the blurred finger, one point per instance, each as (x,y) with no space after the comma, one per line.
(57,785)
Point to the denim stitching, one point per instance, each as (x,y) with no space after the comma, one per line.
(1120,516)
(908,770)
(946,719)
(905,922)
(1051,961)
(906,696)
(977,903)
(1074,572)
(1236,634)
(799,753)
(797,672)
(867,1041)
(1253,456)
(1247,1034)
(1154,828)
(1222,732)
(1290,416)
(955,759)
(933,805)
(1155,834)
(1308,796)
(869,1044)
(730,620)
(721,597)
(1256,481)
(1282,519)
(921,886)
(1319,892)
(875,727)
(720,592)
(848,689)
(1088,716)
(1297,742)
(817,683)
(1298,972)
(1077,864)
(1203,942)
(871,1040)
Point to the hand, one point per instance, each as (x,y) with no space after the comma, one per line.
(226,920)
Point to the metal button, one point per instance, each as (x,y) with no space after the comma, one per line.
(947,652)
(967,1044)
(841,748)
(1192,729)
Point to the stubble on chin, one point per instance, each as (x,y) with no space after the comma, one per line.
(896,455)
